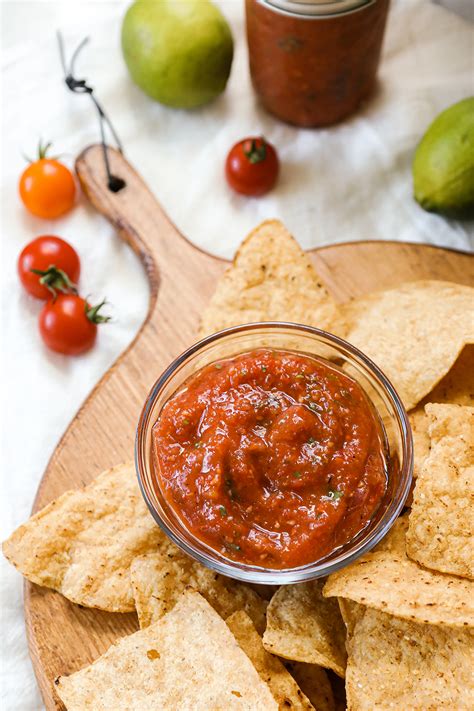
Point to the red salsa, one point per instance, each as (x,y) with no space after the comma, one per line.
(273,458)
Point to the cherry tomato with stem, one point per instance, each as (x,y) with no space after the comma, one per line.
(47,187)
(252,166)
(68,324)
(48,264)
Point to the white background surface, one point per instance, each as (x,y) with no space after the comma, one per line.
(349,182)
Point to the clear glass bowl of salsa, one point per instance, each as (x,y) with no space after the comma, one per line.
(274,453)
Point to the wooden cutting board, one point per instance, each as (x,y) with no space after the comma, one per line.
(64,637)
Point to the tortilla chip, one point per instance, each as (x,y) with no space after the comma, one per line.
(396,664)
(421,438)
(271,279)
(187,660)
(158,580)
(304,626)
(414,333)
(350,612)
(441,524)
(284,688)
(82,544)
(388,580)
(457,387)
(313,681)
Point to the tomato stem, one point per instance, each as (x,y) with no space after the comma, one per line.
(255,153)
(42,151)
(55,280)
(92,313)
(43,148)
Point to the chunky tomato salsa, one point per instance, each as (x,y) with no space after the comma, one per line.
(273,458)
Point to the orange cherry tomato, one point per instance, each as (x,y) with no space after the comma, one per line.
(47,188)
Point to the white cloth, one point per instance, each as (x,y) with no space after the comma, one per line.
(345,183)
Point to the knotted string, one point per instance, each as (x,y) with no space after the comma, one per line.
(80,86)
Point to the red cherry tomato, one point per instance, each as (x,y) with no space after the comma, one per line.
(68,324)
(252,166)
(47,187)
(42,254)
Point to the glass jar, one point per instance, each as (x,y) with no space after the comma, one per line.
(312,62)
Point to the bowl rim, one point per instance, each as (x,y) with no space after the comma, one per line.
(310,571)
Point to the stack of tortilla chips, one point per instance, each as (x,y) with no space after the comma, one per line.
(396,624)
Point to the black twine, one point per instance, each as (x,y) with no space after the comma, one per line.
(79,86)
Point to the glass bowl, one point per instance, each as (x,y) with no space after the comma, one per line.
(306,340)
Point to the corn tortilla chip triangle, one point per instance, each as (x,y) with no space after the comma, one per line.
(304,626)
(283,687)
(271,279)
(187,660)
(414,332)
(397,664)
(82,544)
(158,580)
(457,388)
(351,612)
(314,682)
(388,580)
(421,438)
(441,524)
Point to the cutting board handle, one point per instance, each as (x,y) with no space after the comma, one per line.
(133,211)
(171,262)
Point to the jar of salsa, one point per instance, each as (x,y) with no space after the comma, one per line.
(313,62)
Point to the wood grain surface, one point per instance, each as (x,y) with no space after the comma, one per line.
(64,637)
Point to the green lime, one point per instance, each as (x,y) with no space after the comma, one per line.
(178,51)
(443,167)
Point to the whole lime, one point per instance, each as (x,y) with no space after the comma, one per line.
(178,51)
(443,167)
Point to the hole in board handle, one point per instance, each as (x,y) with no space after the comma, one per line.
(116,184)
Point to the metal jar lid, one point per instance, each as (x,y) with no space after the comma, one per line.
(317,8)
